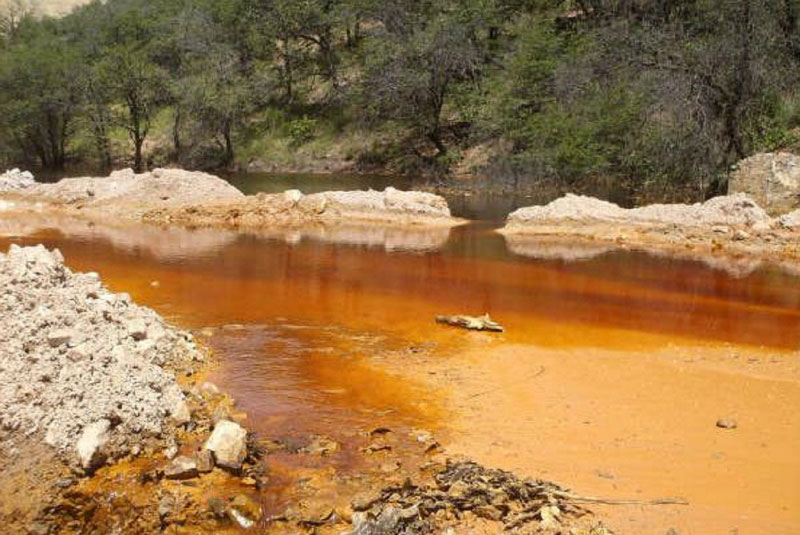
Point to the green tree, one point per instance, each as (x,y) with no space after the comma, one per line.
(138,86)
(39,95)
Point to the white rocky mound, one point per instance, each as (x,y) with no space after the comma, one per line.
(735,210)
(80,366)
(15,180)
(125,188)
(349,204)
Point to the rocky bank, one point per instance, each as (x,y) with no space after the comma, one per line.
(175,196)
(90,381)
(728,225)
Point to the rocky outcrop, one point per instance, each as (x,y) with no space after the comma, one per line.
(771,179)
(15,180)
(85,369)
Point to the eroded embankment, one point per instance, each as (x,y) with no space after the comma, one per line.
(174,196)
(730,225)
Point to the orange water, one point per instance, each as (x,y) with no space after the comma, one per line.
(315,316)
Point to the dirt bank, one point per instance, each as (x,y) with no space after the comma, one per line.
(732,225)
(174,196)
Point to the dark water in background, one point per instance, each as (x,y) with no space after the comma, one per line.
(481,205)
(472,199)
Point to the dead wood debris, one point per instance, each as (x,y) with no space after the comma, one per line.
(472,323)
(522,506)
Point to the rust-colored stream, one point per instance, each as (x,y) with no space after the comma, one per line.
(331,330)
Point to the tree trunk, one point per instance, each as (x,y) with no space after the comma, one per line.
(435,137)
(138,162)
(226,134)
(176,134)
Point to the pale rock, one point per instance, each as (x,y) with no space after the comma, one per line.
(60,337)
(228,443)
(91,442)
(137,329)
(293,195)
(771,179)
(181,414)
(204,460)
(181,467)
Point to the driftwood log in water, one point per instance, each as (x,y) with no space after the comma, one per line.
(473,323)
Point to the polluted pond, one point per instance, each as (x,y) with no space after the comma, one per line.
(109,425)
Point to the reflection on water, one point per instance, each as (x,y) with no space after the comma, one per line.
(315,302)
(478,205)
(378,280)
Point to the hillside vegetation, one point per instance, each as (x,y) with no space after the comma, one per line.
(658,97)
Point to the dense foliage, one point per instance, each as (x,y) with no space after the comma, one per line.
(656,95)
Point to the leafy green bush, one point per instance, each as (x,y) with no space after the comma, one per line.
(302,130)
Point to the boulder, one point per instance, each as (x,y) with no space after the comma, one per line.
(771,179)
(228,443)
(92,440)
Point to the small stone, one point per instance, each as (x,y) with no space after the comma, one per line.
(171,451)
(293,195)
(741,235)
(720,229)
(60,337)
(249,481)
(204,460)
(65,483)
(92,440)
(77,354)
(244,511)
(727,423)
(363,502)
(217,506)
(181,414)
(322,446)
(181,467)
(155,284)
(228,443)
(209,389)
(136,329)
